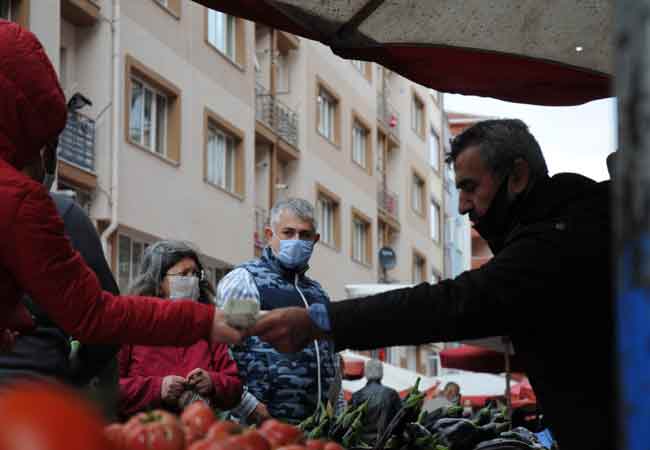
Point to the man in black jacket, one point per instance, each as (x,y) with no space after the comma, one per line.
(383,402)
(548,287)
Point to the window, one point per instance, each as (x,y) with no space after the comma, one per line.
(224,166)
(326,219)
(326,114)
(327,214)
(130,252)
(418,194)
(361,148)
(153,113)
(173,7)
(434,150)
(361,238)
(5,9)
(434,219)
(381,152)
(419,268)
(222,33)
(417,115)
(221,159)
(148,115)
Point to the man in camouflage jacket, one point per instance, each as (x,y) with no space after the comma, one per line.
(280,385)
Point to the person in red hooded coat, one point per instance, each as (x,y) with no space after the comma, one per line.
(35,256)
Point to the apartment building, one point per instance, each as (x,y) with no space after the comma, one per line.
(191,123)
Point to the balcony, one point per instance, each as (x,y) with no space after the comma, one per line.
(276,115)
(83,13)
(388,116)
(260,222)
(387,202)
(77,142)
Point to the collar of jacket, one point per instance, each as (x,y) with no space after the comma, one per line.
(269,258)
(547,198)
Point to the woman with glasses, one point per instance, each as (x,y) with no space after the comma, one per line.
(171,377)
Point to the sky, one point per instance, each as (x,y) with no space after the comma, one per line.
(573,139)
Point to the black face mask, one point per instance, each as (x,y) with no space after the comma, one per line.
(493,225)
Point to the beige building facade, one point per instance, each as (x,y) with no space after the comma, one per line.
(200,121)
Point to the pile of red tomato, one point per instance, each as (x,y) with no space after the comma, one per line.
(43,416)
(198,429)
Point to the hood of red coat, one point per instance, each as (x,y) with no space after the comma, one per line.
(32,104)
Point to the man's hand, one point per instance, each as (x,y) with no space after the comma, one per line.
(172,388)
(200,380)
(287,329)
(221,332)
(259,414)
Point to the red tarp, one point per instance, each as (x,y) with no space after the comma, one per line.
(477,359)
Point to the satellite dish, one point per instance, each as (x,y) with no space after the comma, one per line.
(387,258)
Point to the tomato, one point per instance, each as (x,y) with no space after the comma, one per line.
(292,447)
(250,440)
(201,444)
(115,434)
(332,446)
(279,434)
(47,416)
(198,417)
(314,444)
(155,430)
(220,431)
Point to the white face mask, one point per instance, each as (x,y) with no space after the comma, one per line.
(181,287)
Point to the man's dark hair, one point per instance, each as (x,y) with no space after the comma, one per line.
(500,143)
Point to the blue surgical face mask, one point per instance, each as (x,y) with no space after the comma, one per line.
(294,254)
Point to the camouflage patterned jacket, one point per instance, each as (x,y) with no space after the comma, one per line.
(286,383)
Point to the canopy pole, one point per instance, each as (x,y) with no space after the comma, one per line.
(631,221)
(506,357)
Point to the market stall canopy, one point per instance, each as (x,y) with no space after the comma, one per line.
(477,359)
(527,51)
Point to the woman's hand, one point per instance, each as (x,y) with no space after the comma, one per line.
(200,380)
(172,388)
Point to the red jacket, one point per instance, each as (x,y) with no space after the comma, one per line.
(142,369)
(35,256)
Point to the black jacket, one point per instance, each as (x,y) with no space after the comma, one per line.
(549,288)
(383,404)
(45,352)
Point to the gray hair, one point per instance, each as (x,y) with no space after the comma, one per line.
(299,207)
(158,258)
(374,370)
(500,143)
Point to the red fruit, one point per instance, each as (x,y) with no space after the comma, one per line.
(332,446)
(292,447)
(220,431)
(47,415)
(155,430)
(315,444)
(115,434)
(279,434)
(198,417)
(200,445)
(250,440)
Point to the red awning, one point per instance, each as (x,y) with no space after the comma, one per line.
(525,51)
(477,359)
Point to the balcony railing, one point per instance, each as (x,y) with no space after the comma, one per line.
(77,141)
(276,115)
(388,202)
(260,223)
(387,115)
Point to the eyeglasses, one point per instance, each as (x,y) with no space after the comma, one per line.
(200,274)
